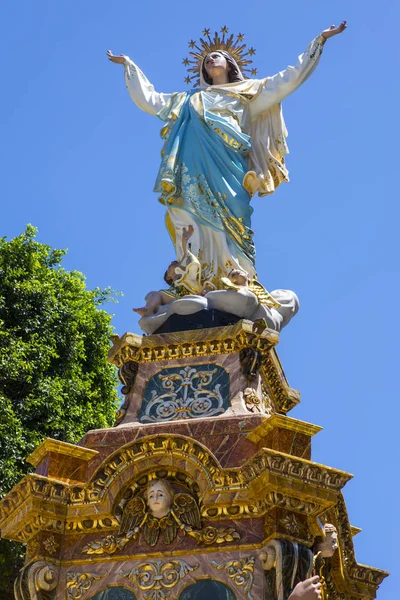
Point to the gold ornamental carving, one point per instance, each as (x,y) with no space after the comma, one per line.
(359,574)
(209,535)
(284,397)
(160,512)
(33,547)
(86,525)
(132,348)
(157,579)
(279,463)
(218,340)
(253,403)
(291,524)
(80,583)
(51,545)
(241,572)
(37,581)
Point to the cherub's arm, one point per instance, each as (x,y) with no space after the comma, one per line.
(187,233)
(139,87)
(189,269)
(277,87)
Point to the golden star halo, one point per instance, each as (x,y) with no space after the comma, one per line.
(235,47)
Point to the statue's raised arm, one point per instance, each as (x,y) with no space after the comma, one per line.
(279,86)
(140,89)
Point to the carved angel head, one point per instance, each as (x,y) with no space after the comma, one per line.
(159,495)
(159,510)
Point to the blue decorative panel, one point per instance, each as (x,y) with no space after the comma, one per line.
(185,393)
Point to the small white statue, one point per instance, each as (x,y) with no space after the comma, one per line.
(247,298)
(327,545)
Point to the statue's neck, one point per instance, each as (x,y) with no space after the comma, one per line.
(220,79)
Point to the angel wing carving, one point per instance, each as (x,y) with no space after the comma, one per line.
(264,297)
(186,509)
(167,526)
(133,516)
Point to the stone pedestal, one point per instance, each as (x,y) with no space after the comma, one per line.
(205,415)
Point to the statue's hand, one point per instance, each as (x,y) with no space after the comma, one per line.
(310,589)
(327,33)
(119,60)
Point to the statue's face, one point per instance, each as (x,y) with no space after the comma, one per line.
(238,277)
(330,544)
(158,500)
(215,63)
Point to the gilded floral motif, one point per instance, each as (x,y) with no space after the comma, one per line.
(51,545)
(157,579)
(241,572)
(79,583)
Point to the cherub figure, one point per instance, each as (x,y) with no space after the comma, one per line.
(237,278)
(182,277)
(160,512)
(247,298)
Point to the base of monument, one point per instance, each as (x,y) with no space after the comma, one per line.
(200,320)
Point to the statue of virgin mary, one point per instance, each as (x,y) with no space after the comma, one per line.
(223,143)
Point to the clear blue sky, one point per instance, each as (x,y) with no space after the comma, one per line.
(79,161)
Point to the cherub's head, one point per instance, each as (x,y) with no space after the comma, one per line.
(329,543)
(170,274)
(159,495)
(239,277)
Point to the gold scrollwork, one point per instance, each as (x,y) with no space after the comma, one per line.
(213,535)
(253,402)
(241,572)
(37,579)
(107,545)
(80,583)
(158,578)
(209,535)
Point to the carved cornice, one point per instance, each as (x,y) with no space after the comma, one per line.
(282,422)
(91,523)
(33,505)
(343,571)
(284,397)
(190,344)
(49,445)
(307,472)
(35,486)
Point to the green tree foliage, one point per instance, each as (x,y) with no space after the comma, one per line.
(54,377)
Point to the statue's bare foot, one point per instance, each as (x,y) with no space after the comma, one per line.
(141,311)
